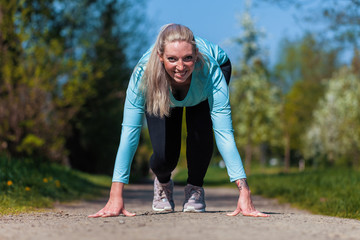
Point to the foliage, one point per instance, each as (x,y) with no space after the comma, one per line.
(96,126)
(255,115)
(42,83)
(308,58)
(26,185)
(250,38)
(335,132)
(64,68)
(300,72)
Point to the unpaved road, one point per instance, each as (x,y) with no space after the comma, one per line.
(69,221)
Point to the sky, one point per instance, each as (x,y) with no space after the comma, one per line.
(218,22)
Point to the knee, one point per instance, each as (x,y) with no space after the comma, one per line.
(162,164)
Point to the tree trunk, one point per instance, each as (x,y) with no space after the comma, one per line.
(248,157)
(287,152)
(263,155)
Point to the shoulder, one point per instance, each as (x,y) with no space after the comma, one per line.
(211,50)
(138,72)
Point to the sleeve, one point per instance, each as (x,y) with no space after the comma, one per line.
(134,109)
(213,50)
(220,112)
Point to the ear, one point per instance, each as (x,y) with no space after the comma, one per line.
(161,58)
(196,53)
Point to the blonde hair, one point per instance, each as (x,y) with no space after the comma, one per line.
(157,80)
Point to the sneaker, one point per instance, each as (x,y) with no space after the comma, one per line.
(163,196)
(194,199)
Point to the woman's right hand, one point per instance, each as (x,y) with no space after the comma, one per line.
(115,205)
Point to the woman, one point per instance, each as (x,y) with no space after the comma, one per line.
(179,71)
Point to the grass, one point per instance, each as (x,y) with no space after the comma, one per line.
(28,185)
(332,192)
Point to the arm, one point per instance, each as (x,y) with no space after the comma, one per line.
(222,123)
(130,134)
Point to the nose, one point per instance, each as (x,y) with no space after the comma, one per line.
(180,66)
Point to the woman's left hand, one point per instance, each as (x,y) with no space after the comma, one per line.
(245,205)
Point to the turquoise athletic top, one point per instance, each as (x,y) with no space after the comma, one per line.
(206,83)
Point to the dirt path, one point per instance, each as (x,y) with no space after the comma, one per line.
(69,221)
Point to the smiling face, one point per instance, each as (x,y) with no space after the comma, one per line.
(179,61)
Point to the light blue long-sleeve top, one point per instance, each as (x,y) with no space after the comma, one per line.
(206,83)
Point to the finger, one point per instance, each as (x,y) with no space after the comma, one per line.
(110,214)
(96,215)
(127,213)
(234,213)
(256,214)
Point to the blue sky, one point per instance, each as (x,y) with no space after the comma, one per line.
(218,22)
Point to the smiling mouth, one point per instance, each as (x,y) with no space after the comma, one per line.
(180,74)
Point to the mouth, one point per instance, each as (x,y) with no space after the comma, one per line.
(180,74)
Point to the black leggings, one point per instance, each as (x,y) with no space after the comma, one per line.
(165,135)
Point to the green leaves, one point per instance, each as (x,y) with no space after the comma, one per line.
(335,131)
(56,57)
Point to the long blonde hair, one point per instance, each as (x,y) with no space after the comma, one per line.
(157,80)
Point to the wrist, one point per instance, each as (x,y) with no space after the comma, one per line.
(116,189)
(242,184)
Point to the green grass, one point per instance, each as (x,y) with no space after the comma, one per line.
(28,185)
(332,192)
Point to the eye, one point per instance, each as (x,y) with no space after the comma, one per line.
(171,59)
(188,58)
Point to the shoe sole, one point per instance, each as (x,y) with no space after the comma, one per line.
(191,209)
(162,209)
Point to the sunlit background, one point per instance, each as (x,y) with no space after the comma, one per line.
(65,66)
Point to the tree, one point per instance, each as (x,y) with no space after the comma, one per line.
(41,86)
(300,71)
(335,132)
(96,126)
(53,66)
(254,116)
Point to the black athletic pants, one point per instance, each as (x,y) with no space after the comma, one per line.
(165,135)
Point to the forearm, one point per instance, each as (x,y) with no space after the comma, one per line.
(116,190)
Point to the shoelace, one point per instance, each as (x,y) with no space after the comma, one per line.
(162,192)
(195,193)
(166,191)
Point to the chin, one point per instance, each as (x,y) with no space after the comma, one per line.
(180,81)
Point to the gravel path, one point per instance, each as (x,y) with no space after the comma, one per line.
(69,221)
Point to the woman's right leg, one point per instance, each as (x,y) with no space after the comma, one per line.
(165,135)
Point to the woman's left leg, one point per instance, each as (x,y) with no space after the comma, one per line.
(199,149)
(199,142)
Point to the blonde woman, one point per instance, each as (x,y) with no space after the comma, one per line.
(180,70)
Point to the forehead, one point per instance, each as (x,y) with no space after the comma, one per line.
(178,48)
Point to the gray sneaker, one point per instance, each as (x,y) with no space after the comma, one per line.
(163,196)
(194,199)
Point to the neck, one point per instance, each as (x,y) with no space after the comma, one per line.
(180,91)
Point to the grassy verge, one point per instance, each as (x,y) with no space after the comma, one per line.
(332,192)
(28,185)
